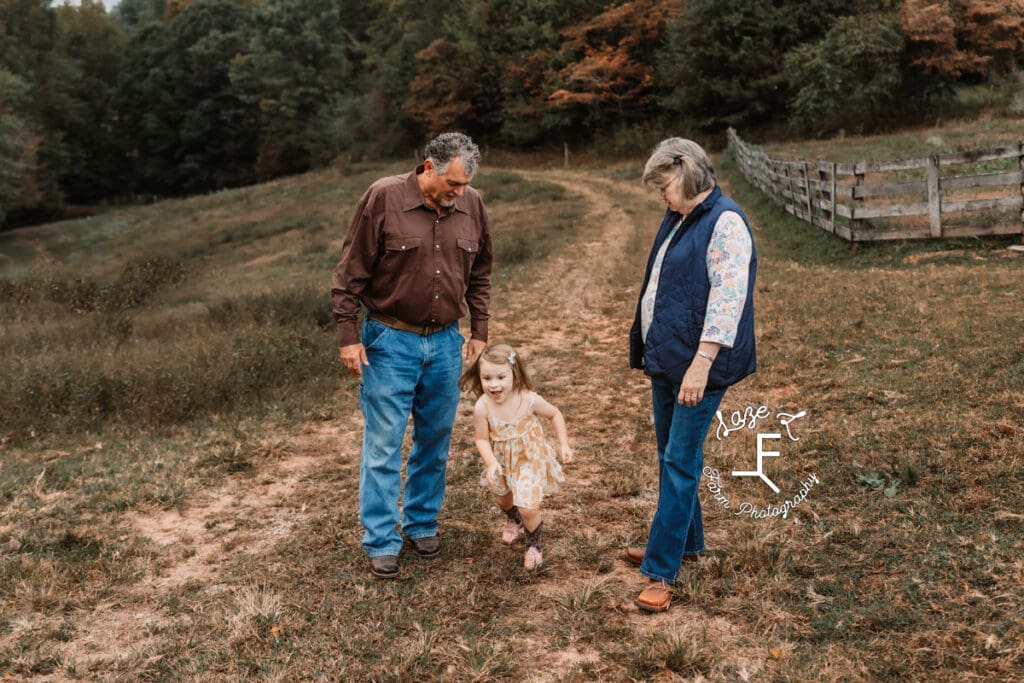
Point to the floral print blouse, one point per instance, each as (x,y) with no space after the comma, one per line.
(728,261)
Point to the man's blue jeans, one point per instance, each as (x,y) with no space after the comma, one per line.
(408,374)
(677,528)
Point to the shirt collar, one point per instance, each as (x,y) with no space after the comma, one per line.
(413,199)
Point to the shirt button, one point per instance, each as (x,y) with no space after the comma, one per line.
(438,272)
(437,246)
(435,296)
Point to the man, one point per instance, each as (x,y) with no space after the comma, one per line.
(417,256)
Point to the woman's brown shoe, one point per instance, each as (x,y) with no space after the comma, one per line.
(655,598)
(635,555)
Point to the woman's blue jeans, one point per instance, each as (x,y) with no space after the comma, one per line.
(677,528)
(408,374)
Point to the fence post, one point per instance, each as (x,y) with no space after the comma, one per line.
(835,199)
(858,199)
(1020,157)
(792,188)
(823,183)
(934,197)
(807,188)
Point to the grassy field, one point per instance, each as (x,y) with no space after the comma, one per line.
(179,474)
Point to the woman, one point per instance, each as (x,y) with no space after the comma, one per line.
(694,337)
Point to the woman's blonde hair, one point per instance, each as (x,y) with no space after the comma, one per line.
(685,158)
(497,354)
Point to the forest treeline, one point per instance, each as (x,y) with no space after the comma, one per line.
(180,96)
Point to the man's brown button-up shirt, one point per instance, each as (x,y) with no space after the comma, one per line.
(404,260)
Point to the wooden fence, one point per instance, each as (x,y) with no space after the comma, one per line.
(888,200)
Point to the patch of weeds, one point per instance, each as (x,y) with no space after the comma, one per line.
(831,623)
(292,306)
(626,484)
(889,483)
(758,550)
(33,658)
(592,550)
(228,458)
(138,282)
(579,609)
(678,653)
(503,186)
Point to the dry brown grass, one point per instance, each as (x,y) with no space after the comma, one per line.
(228,547)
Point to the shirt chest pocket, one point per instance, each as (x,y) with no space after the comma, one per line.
(398,261)
(468,249)
(395,247)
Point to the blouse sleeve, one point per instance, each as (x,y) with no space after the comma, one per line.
(728,263)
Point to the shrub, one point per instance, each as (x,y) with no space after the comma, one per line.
(721,60)
(850,78)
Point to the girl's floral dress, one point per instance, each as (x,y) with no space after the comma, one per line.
(528,459)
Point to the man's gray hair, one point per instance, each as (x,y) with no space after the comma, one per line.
(685,158)
(447,146)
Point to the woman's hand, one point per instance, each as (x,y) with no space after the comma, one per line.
(567,455)
(493,472)
(691,391)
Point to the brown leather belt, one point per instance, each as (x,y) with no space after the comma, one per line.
(399,325)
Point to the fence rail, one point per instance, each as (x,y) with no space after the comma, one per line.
(905,199)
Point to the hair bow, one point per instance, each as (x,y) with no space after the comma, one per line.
(512,358)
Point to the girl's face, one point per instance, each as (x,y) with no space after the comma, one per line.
(496,379)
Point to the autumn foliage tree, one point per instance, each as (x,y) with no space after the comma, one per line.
(959,38)
(609,73)
(440,96)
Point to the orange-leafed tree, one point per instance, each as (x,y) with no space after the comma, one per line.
(995,28)
(609,72)
(958,38)
(440,96)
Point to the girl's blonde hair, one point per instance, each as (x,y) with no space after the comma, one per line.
(497,354)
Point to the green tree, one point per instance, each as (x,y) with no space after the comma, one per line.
(134,14)
(398,30)
(299,58)
(188,127)
(92,45)
(28,37)
(721,64)
(850,78)
(14,143)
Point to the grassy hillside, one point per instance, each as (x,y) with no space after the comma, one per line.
(179,476)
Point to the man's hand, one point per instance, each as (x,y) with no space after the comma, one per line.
(472,350)
(353,357)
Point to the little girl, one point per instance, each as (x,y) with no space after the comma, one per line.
(520,463)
